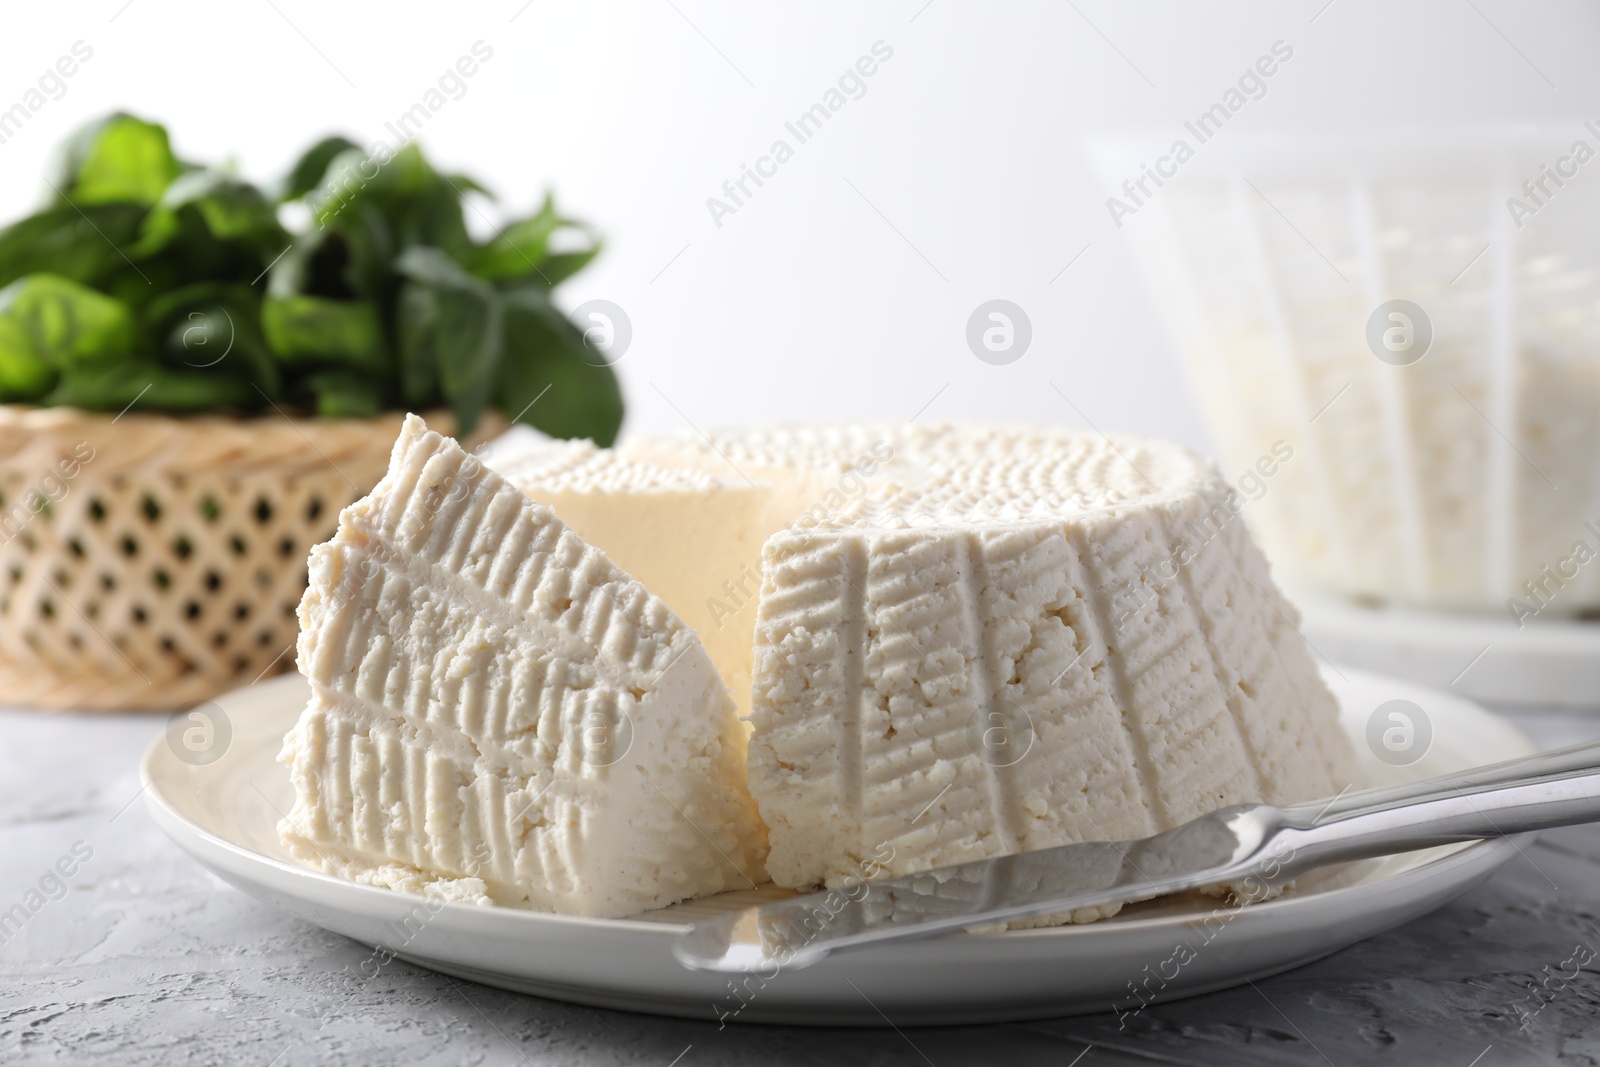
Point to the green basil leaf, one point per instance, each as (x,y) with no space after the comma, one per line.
(214,335)
(518,249)
(406,173)
(545,380)
(154,387)
(433,218)
(168,308)
(418,314)
(520,252)
(214,324)
(118,158)
(313,329)
(353,176)
(449,321)
(24,373)
(343,395)
(343,181)
(433,267)
(81,245)
(465,184)
(370,247)
(312,166)
(421,206)
(48,323)
(191,255)
(232,210)
(560,266)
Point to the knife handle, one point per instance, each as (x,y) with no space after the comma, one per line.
(1521,795)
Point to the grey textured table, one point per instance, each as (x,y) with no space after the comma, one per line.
(147,959)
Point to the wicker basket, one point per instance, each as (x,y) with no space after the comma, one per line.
(152,561)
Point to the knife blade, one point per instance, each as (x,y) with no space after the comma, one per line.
(798,931)
(1251,848)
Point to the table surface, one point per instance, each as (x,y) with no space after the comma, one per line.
(149,959)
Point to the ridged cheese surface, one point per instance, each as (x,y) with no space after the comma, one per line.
(968,641)
(500,714)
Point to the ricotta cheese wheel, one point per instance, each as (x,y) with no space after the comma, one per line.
(499,714)
(966,641)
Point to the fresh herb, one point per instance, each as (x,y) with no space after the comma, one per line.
(149,277)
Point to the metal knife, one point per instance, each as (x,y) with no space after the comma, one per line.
(1251,848)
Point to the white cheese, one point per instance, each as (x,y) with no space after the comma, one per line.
(1465,479)
(970,641)
(500,714)
(952,642)
(693,539)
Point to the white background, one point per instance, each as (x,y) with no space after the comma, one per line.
(815,300)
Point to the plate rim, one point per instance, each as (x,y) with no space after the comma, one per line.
(1486,851)
(1554,634)
(1482,655)
(1471,853)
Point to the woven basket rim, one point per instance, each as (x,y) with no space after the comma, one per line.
(35,438)
(38,417)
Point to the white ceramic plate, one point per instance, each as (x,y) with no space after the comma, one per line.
(224,815)
(1481,655)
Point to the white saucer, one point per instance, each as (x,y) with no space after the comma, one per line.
(224,815)
(1483,656)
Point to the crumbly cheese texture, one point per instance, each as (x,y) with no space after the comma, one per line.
(1465,479)
(500,714)
(967,641)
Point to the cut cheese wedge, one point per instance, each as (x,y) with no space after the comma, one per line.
(697,536)
(501,714)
